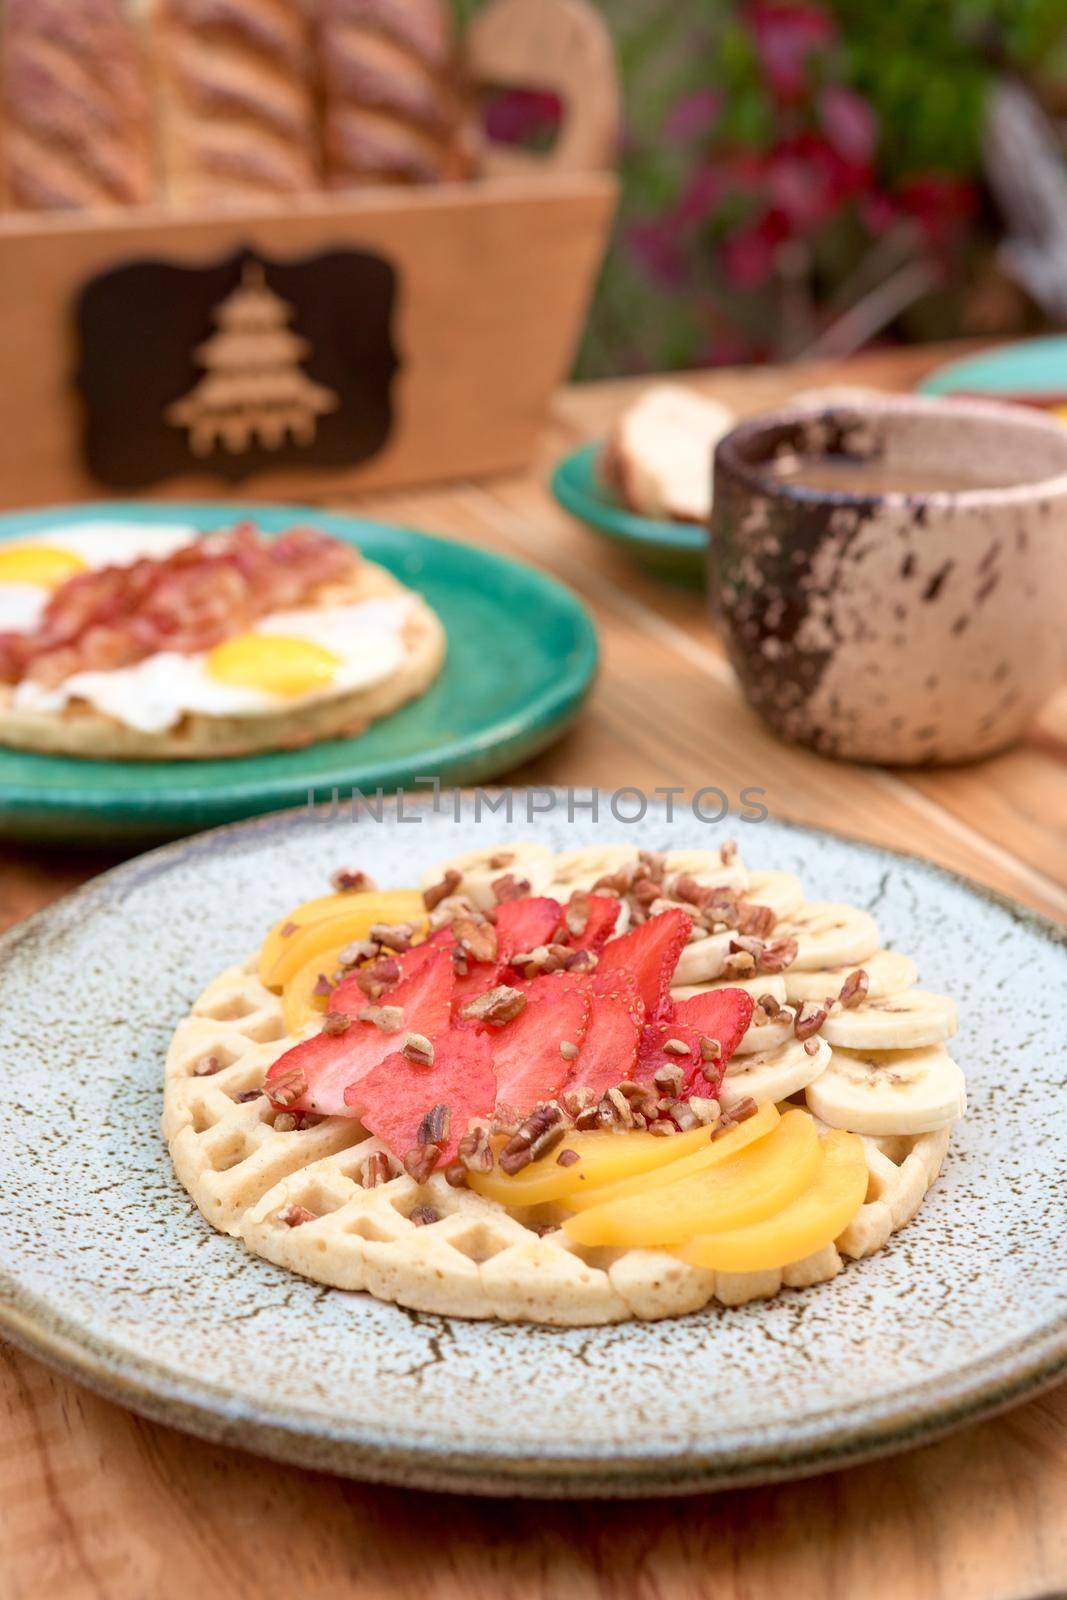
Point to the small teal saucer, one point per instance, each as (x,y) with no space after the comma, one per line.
(673,550)
(1034,370)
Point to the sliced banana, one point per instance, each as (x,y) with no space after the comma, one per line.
(889,1091)
(703,959)
(774,1075)
(706,868)
(763,1037)
(580,869)
(894,1022)
(829,935)
(480,869)
(888,972)
(782,891)
(771,984)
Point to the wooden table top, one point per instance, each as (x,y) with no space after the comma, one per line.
(96,1502)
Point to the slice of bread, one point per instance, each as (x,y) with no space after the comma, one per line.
(658,457)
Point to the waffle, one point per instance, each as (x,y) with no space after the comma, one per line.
(476,1259)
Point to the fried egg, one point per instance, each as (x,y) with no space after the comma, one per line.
(289,658)
(32,568)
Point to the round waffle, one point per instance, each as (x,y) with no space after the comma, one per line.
(473,1258)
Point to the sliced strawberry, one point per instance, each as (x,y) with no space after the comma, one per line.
(395,1097)
(602,915)
(608,1053)
(653,1054)
(526,1051)
(349,998)
(722,1014)
(650,951)
(321,1068)
(522,925)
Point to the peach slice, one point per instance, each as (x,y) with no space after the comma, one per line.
(300,1003)
(602,1157)
(331,923)
(721,1149)
(815,1218)
(750,1186)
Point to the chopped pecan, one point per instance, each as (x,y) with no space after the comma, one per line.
(539,1133)
(474,1150)
(288,1086)
(206,1067)
(335,1022)
(377,1169)
(393,935)
(567,1158)
(676,1047)
(356,882)
(476,939)
(769,1006)
(811,1047)
(739,965)
(568,1051)
(432,897)
(740,1111)
(417,1049)
(645,892)
(455,1175)
(496,1006)
(809,1019)
(574,1101)
(286,1122)
(509,888)
(778,955)
(360,950)
(616,883)
(705,1110)
(435,1125)
(379,976)
(576,916)
(506,1119)
(247,1095)
(614,1110)
(295,1216)
(669,1078)
(855,989)
(423,1216)
(324,987)
(756,920)
(390,1019)
(420,1162)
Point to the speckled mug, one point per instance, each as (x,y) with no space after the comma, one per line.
(891,627)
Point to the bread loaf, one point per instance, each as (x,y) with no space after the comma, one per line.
(73,97)
(391,109)
(235,100)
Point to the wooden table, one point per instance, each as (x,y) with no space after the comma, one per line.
(96,1502)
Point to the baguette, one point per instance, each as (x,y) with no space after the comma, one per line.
(74,107)
(392,112)
(235,100)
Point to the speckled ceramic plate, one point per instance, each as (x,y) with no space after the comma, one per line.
(522,653)
(674,550)
(108,1272)
(1031,368)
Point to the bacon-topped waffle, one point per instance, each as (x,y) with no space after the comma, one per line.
(492,1097)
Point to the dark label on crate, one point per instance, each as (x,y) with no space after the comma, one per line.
(240,367)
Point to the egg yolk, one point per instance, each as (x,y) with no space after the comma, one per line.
(40,565)
(272,663)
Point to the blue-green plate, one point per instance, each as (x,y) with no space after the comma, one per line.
(674,550)
(1032,369)
(522,652)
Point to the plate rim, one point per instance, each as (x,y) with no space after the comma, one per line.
(569,483)
(942,379)
(543,718)
(827,1439)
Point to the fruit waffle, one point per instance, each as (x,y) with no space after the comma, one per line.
(495,1097)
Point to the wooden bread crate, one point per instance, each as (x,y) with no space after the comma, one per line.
(414,334)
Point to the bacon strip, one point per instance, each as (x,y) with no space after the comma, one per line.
(192,600)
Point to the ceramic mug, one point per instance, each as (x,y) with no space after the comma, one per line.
(895,627)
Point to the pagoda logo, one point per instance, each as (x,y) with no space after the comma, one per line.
(254,390)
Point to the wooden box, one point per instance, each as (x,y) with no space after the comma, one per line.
(421,332)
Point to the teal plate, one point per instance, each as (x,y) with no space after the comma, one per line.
(522,652)
(1031,369)
(674,550)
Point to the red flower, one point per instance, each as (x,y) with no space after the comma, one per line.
(786,36)
(693,116)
